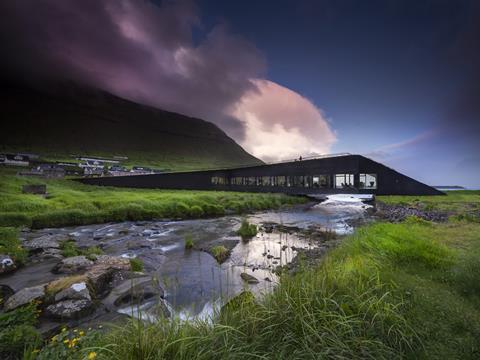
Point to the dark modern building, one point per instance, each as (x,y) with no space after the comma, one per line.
(343,173)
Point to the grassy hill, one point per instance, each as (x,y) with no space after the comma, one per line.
(68,119)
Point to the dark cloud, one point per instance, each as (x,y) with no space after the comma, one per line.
(135,49)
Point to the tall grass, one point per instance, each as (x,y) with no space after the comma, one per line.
(72,203)
(389,291)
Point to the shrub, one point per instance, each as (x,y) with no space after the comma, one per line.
(15,219)
(58,218)
(10,244)
(196,211)
(189,242)
(247,230)
(136,264)
(17,332)
(69,248)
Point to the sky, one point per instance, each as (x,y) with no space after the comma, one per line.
(397,81)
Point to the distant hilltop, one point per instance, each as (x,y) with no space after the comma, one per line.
(65,118)
(449,187)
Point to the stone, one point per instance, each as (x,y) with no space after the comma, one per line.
(101,274)
(133,291)
(249,278)
(114,262)
(70,309)
(73,265)
(45,242)
(6,264)
(100,278)
(77,291)
(160,309)
(25,296)
(38,189)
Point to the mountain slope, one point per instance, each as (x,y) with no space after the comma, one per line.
(70,119)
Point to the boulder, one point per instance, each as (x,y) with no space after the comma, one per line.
(159,309)
(24,296)
(45,242)
(100,279)
(77,291)
(73,265)
(70,309)
(113,262)
(249,278)
(102,273)
(133,291)
(6,264)
(37,189)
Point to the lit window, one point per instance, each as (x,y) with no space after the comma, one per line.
(343,181)
(368,181)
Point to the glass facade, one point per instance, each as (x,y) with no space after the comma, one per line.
(368,181)
(321,181)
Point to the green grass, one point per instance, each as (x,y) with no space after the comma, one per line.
(408,290)
(220,253)
(189,243)
(17,332)
(247,230)
(10,245)
(71,203)
(70,249)
(136,265)
(458,201)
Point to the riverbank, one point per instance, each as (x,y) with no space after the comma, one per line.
(69,203)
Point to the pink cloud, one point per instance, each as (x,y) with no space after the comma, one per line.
(282,124)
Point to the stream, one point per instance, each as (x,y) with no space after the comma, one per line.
(194,283)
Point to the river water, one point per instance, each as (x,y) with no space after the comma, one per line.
(194,283)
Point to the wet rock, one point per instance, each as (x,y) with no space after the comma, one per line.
(249,278)
(269,256)
(24,296)
(70,309)
(267,279)
(114,262)
(5,292)
(133,291)
(100,279)
(160,309)
(102,273)
(77,291)
(45,242)
(73,265)
(397,213)
(6,264)
(284,247)
(50,253)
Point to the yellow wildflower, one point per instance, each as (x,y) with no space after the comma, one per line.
(66,341)
(92,355)
(81,333)
(64,329)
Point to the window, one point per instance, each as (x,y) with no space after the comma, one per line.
(343,181)
(280,180)
(321,181)
(219,180)
(368,181)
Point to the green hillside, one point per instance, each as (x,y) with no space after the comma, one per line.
(68,119)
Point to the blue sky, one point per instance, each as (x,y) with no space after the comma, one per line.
(389,75)
(395,80)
